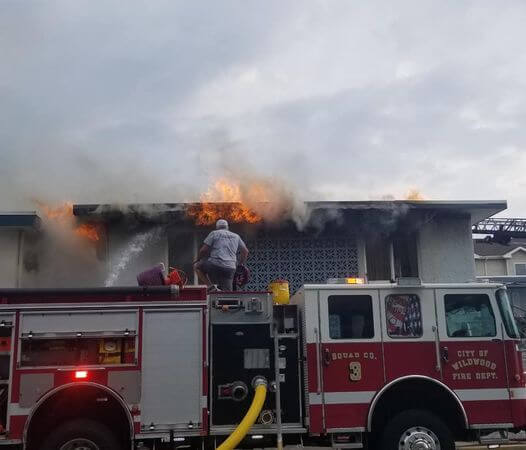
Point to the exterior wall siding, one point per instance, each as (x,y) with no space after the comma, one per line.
(496,267)
(480,268)
(446,251)
(9,258)
(518,257)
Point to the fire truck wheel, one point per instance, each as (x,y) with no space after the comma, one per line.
(417,429)
(81,434)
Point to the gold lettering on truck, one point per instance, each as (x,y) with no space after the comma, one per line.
(477,366)
(351,355)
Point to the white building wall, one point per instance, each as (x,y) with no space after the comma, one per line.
(496,268)
(58,260)
(47,262)
(445,248)
(9,258)
(480,267)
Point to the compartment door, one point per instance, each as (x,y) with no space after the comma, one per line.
(172,360)
(351,353)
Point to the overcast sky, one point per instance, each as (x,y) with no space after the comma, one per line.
(348,100)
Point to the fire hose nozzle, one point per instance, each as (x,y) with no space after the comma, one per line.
(258,381)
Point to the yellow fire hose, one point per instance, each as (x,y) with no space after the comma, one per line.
(260,384)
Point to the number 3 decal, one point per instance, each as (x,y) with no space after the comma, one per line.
(355,371)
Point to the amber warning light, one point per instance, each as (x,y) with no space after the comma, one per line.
(347,280)
(81,374)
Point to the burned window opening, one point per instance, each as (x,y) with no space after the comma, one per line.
(378,257)
(405,256)
(390,257)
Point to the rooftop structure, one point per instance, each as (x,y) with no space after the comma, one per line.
(317,241)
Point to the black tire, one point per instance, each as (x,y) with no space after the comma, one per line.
(398,426)
(94,432)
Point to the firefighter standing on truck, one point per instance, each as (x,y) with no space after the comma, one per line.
(217,259)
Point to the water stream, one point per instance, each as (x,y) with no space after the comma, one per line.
(132,250)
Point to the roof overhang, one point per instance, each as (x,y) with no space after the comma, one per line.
(492,257)
(515,250)
(19,220)
(476,210)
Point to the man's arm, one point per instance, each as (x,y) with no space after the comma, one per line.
(243,252)
(204,252)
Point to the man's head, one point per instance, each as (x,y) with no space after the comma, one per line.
(221,224)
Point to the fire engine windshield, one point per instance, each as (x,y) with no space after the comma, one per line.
(507,314)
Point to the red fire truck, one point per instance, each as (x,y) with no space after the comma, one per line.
(394,366)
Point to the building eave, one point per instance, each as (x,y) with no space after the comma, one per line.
(19,220)
(477,210)
(515,250)
(492,257)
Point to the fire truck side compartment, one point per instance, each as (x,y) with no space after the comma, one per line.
(229,343)
(172,369)
(127,384)
(242,347)
(32,386)
(6,342)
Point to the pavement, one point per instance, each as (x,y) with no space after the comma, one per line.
(485,447)
(459,446)
(502,447)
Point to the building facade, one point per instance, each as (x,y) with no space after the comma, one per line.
(497,260)
(379,241)
(504,263)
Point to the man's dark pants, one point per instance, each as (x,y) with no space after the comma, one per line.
(222,276)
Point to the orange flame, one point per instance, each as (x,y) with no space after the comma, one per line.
(228,200)
(63,216)
(60,214)
(88,231)
(415,195)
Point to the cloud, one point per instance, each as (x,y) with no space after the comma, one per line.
(343,100)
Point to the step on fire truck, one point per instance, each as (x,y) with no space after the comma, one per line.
(350,365)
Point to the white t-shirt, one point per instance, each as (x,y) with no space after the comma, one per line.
(224,246)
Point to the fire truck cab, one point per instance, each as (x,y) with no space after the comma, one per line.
(413,366)
(391,366)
